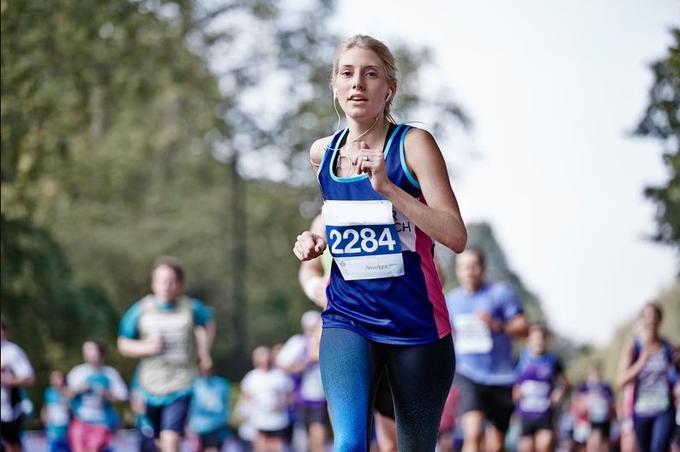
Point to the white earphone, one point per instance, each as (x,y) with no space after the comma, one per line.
(389,94)
(335,93)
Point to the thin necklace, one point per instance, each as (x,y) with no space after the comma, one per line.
(338,166)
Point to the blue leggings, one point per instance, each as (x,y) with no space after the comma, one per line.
(420,378)
(654,433)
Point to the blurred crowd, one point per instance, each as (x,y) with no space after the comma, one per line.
(511,391)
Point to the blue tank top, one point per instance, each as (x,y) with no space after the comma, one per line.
(407,306)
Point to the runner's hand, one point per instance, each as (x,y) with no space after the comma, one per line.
(372,162)
(153,346)
(205,364)
(309,246)
(491,323)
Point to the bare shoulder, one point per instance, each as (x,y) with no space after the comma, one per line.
(421,150)
(318,148)
(419,138)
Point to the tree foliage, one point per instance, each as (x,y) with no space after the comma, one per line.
(662,121)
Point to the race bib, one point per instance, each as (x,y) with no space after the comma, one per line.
(535,396)
(57,415)
(599,408)
(471,334)
(652,400)
(92,408)
(363,239)
(175,347)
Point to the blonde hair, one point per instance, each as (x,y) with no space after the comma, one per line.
(389,63)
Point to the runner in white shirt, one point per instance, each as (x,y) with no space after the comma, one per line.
(269,392)
(17,373)
(95,387)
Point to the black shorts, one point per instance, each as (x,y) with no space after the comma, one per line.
(10,432)
(214,439)
(495,402)
(530,426)
(383,397)
(313,414)
(284,433)
(603,427)
(171,416)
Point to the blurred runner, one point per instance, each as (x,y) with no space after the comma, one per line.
(242,417)
(596,400)
(209,413)
(485,317)
(300,358)
(16,374)
(541,385)
(95,388)
(651,363)
(269,392)
(628,442)
(171,333)
(147,442)
(55,414)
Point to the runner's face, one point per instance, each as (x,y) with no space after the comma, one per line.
(537,341)
(91,354)
(165,284)
(469,270)
(650,319)
(361,85)
(261,357)
(57,379)
(596,374)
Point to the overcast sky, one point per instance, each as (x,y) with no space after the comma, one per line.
(553,89)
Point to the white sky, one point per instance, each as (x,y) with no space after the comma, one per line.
(553,89)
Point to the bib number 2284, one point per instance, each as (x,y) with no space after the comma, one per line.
(361,241)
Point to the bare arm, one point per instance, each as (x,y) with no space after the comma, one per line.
(204,336)
(139,348)
(310,245)
(561,389)
(517,326)
(311,273)
(10,380)
(629,370)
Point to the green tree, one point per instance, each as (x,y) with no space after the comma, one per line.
(662,121)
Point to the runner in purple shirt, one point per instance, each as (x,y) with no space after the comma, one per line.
(540,386)
(596,399)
